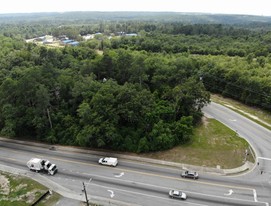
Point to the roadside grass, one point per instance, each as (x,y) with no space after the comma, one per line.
(17,190)
(213,144)
(257,115)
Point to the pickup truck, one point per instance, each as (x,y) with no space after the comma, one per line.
(110,161)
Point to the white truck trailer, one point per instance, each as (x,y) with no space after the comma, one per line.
(110,161)
(41,165)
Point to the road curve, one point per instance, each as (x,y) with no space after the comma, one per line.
(257,136)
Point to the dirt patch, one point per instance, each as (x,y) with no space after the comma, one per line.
(30,197)
(204,121)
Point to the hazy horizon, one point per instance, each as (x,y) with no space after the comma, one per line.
(241,7)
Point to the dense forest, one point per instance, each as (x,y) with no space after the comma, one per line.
(130,93)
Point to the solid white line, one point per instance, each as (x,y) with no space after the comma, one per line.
(264,158)
(255,195)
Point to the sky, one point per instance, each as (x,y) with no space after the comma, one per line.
(251,7)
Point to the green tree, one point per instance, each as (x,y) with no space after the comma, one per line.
(189,98)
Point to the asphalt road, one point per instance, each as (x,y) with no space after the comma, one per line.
(139,183)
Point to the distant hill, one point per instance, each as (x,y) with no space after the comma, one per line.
(187,18)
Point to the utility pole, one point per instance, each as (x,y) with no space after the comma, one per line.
(84,189)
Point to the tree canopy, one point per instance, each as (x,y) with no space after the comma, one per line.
(136,93)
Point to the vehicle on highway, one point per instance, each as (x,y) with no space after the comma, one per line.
(177,194)
(41,165)
(110,161)
(190,174)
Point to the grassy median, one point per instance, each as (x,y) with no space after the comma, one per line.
(17,190)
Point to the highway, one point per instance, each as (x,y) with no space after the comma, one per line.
(141,183)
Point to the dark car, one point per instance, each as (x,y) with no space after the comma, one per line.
(190,174)
(177,194)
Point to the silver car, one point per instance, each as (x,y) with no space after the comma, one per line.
(177,194)
(190,174)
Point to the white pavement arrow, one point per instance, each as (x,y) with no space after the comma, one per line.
(230,193)
(112,193)
(119,175)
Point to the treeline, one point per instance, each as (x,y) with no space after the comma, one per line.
(141,93)
(245,79)
(123,100)
(197,44)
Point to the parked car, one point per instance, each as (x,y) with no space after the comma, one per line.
(190,174)
(177,194)
(110,161)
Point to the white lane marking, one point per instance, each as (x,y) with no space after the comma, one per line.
(120,174)
(112,193)
(264,158)
(230,193)
(255,195)
(233,120)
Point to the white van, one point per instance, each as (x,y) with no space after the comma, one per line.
(110,161)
